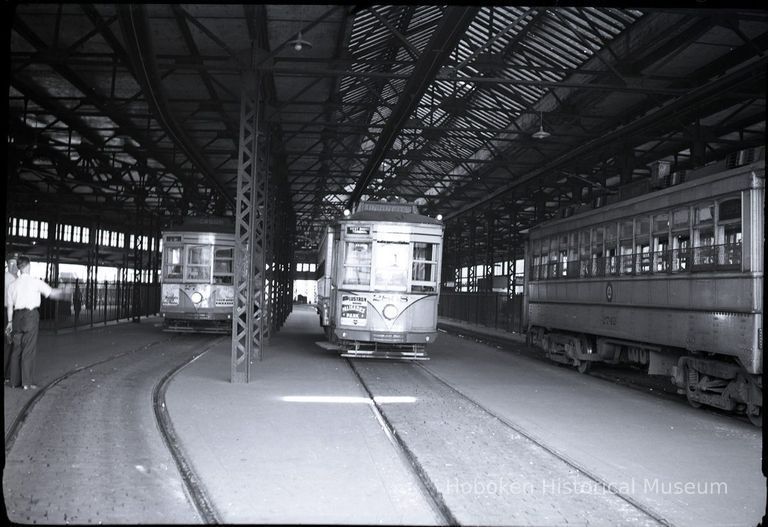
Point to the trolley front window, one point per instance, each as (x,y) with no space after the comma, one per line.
(222,265)
(357,263)
(424,275)
(198,267)
(172,263)
(392,260)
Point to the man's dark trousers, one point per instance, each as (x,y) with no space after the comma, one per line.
(6,349)
(25,327)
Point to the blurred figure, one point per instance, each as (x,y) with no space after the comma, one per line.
(11,271)
(23,301)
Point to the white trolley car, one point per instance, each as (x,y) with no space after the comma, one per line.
(379,281)
(197,276)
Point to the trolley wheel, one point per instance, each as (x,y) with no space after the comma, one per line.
(691,377)
(585,345)
(755,415)
(691,401)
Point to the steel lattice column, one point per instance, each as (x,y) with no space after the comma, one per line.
(512,252)
(269,253)
(284,257)
(250,209)
(472,271)
(490,251)
(92,270)
(138,259)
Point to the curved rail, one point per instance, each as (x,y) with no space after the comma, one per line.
(192,483)
(21,417)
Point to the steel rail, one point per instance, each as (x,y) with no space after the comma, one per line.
(428,487)
(21,417)
(559,455)
(193,484)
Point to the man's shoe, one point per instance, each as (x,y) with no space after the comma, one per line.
(30,387)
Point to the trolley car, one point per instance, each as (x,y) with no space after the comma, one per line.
(379,281)
(671,280)
(197,276)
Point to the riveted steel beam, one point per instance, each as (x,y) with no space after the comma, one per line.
(446,36)
(250,208)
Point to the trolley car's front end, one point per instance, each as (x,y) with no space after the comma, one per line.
(379,295)
(197,277)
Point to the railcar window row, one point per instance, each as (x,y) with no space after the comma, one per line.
(701,237)
(198,263)
(389,269)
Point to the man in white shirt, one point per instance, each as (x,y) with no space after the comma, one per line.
(10,275)
(23,301)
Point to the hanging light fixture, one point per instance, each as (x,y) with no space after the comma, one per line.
(541,134)
(299,43)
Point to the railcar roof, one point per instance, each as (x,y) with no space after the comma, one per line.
(223,228)
(395,217)
(743,171)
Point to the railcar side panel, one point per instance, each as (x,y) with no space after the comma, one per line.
(725,333)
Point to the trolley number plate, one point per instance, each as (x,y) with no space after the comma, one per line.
(354,310)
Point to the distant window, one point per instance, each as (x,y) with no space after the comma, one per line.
(357,263)
(730,210)
(680,218)
(198,267)
(424,275)
(392,260)
(172,263)
(223,265)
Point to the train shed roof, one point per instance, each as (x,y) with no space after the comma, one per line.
(498,116)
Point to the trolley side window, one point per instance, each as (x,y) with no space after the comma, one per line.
(223,258)
(392,261)
(198,268)
(424,267)
(357,263)
(704,236)
(729,232)
(681,240)
(172,263)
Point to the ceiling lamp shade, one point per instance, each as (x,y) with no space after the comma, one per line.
(541,134)
(299,43)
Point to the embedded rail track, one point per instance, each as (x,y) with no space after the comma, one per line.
(428,483)
(623,375)
(602,483)
(26,410)
(191,483)
(428,488)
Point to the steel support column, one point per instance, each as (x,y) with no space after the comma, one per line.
(250,209)
(472,271)
(269,254)
(489,251)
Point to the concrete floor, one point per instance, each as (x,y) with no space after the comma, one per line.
(694,467)
(300,443)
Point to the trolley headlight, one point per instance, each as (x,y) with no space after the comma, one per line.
(389,312)
(197,297)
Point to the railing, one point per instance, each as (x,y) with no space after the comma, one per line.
(725,257)
(490,309)
(94,303)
